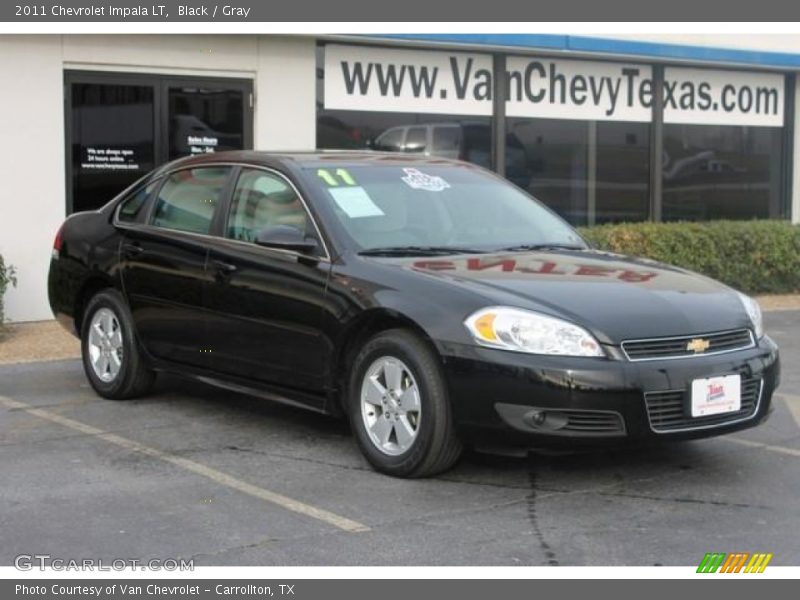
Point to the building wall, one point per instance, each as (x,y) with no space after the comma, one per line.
(32,161)
(286,110)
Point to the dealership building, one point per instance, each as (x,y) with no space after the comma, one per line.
(601,129)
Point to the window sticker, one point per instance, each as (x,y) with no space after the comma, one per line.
(333,179)
(418,180)
(355,202)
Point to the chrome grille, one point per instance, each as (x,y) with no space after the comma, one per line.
(671,411)
(676,347)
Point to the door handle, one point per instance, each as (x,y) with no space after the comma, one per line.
(224,268)
(131,250)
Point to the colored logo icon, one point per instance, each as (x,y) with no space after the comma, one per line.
(737,562)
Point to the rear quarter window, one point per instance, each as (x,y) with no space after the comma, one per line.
(133,208)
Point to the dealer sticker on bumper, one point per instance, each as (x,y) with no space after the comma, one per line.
(716,395)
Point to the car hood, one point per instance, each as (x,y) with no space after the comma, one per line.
(615,297)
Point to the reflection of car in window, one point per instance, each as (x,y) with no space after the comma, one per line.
(467,140)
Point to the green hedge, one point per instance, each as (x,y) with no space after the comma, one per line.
(752,256)
(7,277)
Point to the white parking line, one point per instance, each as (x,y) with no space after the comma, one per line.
(770,447)
(793,403)
(189,465)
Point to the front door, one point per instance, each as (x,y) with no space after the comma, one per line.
(265,305)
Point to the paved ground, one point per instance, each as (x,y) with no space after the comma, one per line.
(196,472)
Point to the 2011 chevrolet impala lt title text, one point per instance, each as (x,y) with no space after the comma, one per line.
(430,301)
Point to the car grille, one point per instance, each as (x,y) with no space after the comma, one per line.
(670,411)
(676,347)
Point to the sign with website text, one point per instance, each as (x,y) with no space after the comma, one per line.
(577,89)
(716,97)
(458,83)
(389,80)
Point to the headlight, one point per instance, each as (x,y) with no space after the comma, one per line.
(526,331)
(754,312)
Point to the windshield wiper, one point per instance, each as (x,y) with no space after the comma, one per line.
(419,251)
(550,246)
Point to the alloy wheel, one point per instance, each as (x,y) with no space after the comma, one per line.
(390,405)
(105,345)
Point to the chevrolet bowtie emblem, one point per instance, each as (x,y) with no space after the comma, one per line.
(698,345)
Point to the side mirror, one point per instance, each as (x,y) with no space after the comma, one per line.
(285,237)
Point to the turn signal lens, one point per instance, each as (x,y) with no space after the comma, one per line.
(485,326)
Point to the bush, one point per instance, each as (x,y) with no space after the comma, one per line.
(752,256)
(8,275)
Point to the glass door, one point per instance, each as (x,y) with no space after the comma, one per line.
(111,138)
(120,126)
(205,117)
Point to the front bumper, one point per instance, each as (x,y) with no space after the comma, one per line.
(503,398)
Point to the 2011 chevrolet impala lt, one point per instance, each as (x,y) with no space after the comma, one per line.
(430,301)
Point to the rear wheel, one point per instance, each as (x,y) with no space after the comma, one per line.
(399,409)
(112,360)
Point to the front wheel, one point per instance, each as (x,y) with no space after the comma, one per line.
(112,360)
(399,408)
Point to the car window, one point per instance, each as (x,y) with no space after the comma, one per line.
(131,209)
(446,139)
(416,139)
(260,200)
(435,205)
(391,140)
(187,199)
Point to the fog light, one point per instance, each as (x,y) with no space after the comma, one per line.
(546,419)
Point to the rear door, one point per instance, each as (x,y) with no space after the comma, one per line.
(265,305)
(163,263)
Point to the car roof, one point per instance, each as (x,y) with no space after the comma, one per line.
(313,158)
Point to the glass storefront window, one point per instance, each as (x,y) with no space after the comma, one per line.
(721,172)
(467,138)
(448,136)
(548,159)
(578,133)
(589,172)
(622,173)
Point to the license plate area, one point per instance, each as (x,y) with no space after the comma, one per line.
(716,395)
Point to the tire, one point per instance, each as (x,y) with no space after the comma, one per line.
(419,443)
(114,366)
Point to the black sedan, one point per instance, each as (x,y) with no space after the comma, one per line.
(430,301)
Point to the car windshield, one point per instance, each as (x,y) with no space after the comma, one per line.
(436,208)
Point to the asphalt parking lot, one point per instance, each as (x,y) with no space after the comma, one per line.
(195,472)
